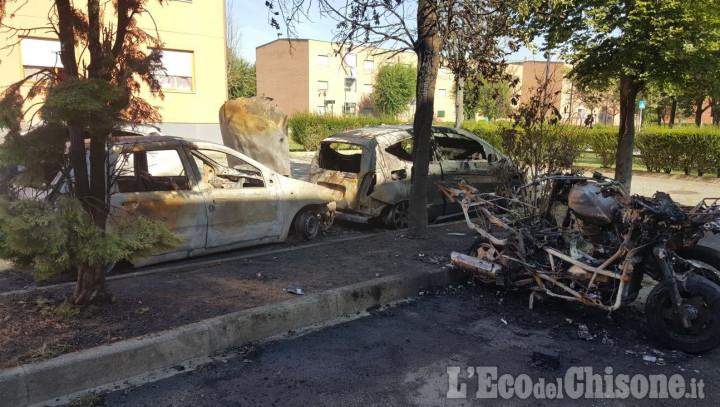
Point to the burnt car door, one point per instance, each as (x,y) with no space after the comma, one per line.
(463,158)
(398,163)
(242,199)
(155,182)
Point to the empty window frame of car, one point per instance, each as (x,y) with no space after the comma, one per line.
(222,170)
(454,146)
(151,170)
(340,157)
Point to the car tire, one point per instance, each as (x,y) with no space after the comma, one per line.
(307,224)
(397,215)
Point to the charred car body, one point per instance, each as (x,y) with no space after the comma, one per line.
(216,198)
(369,170)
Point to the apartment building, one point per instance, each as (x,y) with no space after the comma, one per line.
(302,75)
(193,31)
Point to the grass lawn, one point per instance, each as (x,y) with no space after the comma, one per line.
(590,160)
(295,146)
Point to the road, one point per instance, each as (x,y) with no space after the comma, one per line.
(401,356)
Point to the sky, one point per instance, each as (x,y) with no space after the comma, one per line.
(251,19)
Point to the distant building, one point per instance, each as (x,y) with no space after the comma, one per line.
(560,91)
(308,76)
(195,84)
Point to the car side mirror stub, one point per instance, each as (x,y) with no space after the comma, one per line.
(492,158)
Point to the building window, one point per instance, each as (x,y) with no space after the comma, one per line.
(178,74)
(323,60)
(40,54)
(367,89)
(369,65)
(350,85)
(442,93)
(322,85)
(367,111)
(441,113)
(443,72)
(350,108)
(351,59)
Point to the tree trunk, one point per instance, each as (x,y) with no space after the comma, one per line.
(629,88)
(89,186)
(673,111)
(459,101)
(91,287)
(699,111)
(660,113)
(428,51)
(714,112)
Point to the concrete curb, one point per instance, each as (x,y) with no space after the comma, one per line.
(115,365)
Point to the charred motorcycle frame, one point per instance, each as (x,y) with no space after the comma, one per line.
(586,239)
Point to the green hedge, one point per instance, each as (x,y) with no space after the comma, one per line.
(684,148)
(490,132)
(603,141)
(309,129)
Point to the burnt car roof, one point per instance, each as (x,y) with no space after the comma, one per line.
(368,136)
(387,135)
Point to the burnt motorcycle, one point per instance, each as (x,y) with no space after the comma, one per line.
(586,239)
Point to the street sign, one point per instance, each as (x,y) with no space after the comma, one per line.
(642,104)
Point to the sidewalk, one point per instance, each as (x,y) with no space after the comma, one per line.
(167,322)
(684,189)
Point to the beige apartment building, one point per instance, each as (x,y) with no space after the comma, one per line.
(193,31)
(302,75)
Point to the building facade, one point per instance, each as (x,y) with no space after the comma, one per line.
(302,75)
(193,33)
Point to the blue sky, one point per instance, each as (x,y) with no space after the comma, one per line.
(251,16)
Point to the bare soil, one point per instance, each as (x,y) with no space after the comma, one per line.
(40,324)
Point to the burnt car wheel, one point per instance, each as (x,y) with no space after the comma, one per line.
(307,224)
(701,302)
(397,216)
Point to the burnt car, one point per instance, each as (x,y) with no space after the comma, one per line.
(369,170)
(215,197)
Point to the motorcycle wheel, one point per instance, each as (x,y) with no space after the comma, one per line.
(481,248)
(706,259)
(697,292)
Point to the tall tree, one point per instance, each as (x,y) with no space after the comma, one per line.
(241,77)
(97,89)
(491,99)
(477,52)
(394,88)
(631,40)
(390,24)
(240,72)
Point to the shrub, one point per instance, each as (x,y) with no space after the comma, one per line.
(603,141)
(488,131)
(684,148)
(49,237)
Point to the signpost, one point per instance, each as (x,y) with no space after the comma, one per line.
(641,105)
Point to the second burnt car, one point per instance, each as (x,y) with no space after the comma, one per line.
(369,170)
